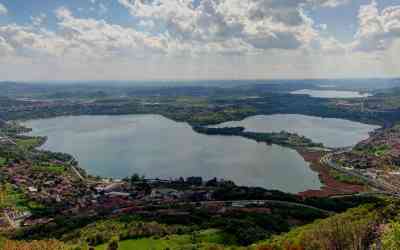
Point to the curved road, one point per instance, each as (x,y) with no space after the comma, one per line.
(383,188)
(243,203)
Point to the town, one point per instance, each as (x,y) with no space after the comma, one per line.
(42,190)
(376,158)
(48,195)
(54,182)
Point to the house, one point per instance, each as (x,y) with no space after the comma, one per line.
(113,187)
(32,189)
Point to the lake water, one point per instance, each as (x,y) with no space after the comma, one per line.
(330,93)
(330,132)
(118,146)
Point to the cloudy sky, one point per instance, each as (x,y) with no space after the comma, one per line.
(198,39)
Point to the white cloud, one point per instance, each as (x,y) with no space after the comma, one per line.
(147,24)
(377,30)
(3,9)
(173,27)
(5,48)
(260,24)
(323,26)
(86,39)
(27,42)
(200,39)
(38,20)
(330,3)
(99,39)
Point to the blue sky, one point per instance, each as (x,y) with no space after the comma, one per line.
(198,39)
(342,21)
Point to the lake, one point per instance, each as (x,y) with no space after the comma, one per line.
(331,132)
(330,93)
(119,146)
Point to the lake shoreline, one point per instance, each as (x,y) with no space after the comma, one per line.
(331,186)
(328,184)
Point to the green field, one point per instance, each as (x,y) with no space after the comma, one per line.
(378,151)
(28,143)
(201,239)
(50,168)
(346,178)
(11,198)
(2,161)
(381,150)
(2,240)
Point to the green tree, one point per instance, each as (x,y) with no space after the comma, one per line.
(391,238)
(113,245)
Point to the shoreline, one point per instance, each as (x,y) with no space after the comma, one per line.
(330,186)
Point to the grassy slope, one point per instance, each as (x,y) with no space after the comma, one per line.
(28,143)
(346,229)
(204,238)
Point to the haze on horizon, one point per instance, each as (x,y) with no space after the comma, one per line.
(198,39)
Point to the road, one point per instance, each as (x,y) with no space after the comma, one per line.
(378,185)
(253,203)
(8,139)
(12,223)
(275,202)
(365,194)
(77,173)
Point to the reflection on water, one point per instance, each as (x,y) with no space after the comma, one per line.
(118,146)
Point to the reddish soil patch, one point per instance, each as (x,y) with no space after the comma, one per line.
(331,185)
